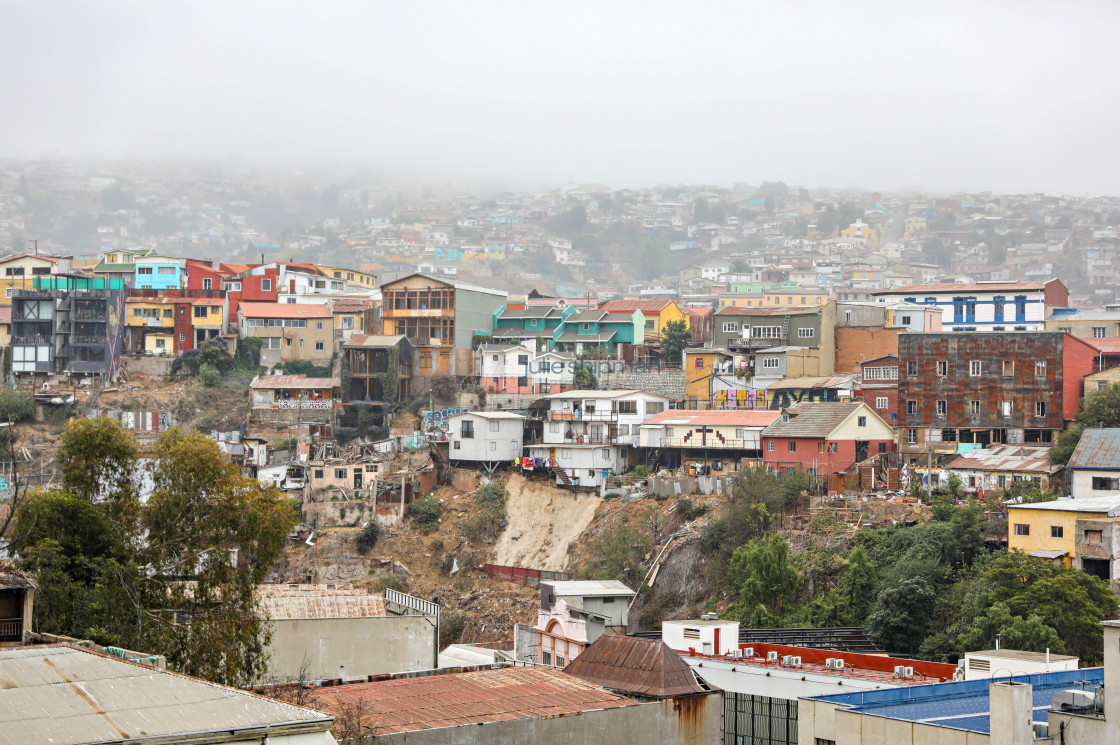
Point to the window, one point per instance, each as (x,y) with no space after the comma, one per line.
(649,325)
(942,368)
(201,311)
(466,429)
(881,403)
(340,473)
(770,363)
(182,337)
(942,408)
(627,407)
(998,301)
(167,313)
(1040,369)
(1005,408)
(766,332)
(546,658)
(1040,408)
(207,283)
(861,421)
(911,367)
(820,447)
(1093,537)
(266,284)
(1020,307)
(319,325)
(834,447)
(880,373)
(1022,529)
(1009,368)
(1057,531)
(805,333)
(792,446)
(975,367)
(8,293)
(492,426)
(770,446)
(974,408)
(911,437)
(145,270)
(699,363)
(167,270)
(1102,483)
(554,428)
(624,429)
(318,473)
(1098,332)
(319,346)
(911,407)
(654,407)
(492,445)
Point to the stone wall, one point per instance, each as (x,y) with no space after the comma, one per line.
(668,383)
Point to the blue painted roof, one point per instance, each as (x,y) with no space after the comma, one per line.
(959,705)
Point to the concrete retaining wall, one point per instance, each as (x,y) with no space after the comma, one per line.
(337,647)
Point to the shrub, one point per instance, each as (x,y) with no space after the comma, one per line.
(489,519)
(451,625)
(208,376)
(444,388)
(689,511)
(426,513)
(368,536)
(16,406)
(640,472)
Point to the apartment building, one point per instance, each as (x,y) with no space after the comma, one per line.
(978,389)
(986,306)
(521,368)
(289,331)
(748,330)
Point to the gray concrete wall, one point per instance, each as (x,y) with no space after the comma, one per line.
(686,720)
(336,647)
(148,365)
(474,311)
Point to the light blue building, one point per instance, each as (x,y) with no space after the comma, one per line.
(158,273)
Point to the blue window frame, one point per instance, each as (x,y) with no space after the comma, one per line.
(1020,307)
(999,301)
(958,309)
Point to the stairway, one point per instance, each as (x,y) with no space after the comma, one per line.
(560,474)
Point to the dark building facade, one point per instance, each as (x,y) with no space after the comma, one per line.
(960,390)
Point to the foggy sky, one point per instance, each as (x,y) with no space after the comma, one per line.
(1007,96)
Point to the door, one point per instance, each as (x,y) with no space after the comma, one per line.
(861,451)
(716,643)
(357,479)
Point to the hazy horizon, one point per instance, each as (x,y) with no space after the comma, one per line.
(999,96)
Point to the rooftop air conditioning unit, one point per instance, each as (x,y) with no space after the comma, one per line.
(736,653)
(834,663)
(909,672)
(771,656)
(791,661)
(748,651)
(900,671)
(1072,700)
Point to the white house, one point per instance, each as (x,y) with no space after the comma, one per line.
(986,306)
(589,435)
(520,368)
(486,438)
(1095,464)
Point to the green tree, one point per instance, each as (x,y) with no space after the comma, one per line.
(858,586)
(675,336)
(16,406)
(1098,409)
(619,554)
(764,579)
(390,378)
(998,625)
(99,463)
(583,379)
(902,615)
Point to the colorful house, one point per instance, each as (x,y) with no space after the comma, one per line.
(158,273)
(1081,533)
(289,331)
(515,325)
(657,313)
(826,438)
(599,329)
(701,366)
(718,439)
(18,272)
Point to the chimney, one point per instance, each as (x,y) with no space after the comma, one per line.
(1011,712)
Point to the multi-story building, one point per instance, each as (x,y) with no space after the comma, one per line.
(717,439)
(520,368)
(986,306)
(987,388)
(1082,533)
(485,438)
(19,272)
(1087,324)
(599,330)
(367,357)
(748,330)
(1095,464)
(439,317)
(787,297)
(573,614)
(878,385)
(655,313)
(289,331)
(589,435)
(158,273)
(515,325)
(69,325)
(826,438)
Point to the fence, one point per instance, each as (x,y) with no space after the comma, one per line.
(530,577)
(399,602)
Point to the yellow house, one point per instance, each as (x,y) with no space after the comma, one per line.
(19,272)
(860,229)
(146,316)
(1081,533)
(700,365)
(355,278)
(657,313)
(915,225)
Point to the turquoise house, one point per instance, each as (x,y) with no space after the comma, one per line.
(513,325)
(598,329)
(158,273)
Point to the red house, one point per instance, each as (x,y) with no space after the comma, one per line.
(878,385)
(214,275)
(825,438)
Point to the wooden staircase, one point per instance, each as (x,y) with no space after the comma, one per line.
(561,474)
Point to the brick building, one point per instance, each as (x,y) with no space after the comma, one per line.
(987,388)
(878,385)
(857,343)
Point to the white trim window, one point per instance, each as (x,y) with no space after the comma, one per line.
(731,327)
(808,333)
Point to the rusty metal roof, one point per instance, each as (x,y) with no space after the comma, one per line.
(294,381)
(301,602)
(65,695)
(10,577)
(1098,449)
(1022,458)
(635,666)
(408,704)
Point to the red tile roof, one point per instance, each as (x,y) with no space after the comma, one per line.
(1109,345)
(717,417)
(456,699)
(629,306)
(693,310)
(285,310)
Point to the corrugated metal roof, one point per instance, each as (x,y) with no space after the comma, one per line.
(454,699)
(1098,449)
(374,340)
(64,695)
(298,602)
(1006,458)
(1109,505)
(294,381)
(965,287)
(715,417)
(629,306)
(12,577)
(639,667)
(826,381)
(285,310)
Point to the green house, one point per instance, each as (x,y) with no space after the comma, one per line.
(599,329)
(515,325)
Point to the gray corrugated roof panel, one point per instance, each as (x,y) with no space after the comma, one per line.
(64,695)
(591,588)
(1098,449)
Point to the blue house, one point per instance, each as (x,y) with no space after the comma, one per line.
(158,273)
(514,325)
(599,329)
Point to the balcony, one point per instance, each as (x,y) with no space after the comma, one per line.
(582,416)
(88,315)
(31,339)
(11,629)
(755,343)
(88,341)
(711,443)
